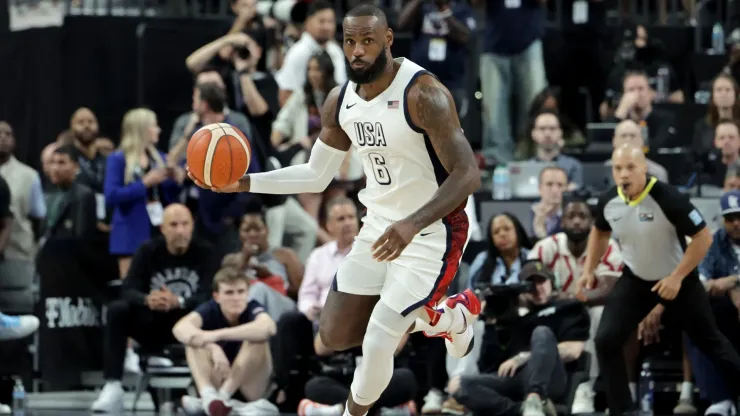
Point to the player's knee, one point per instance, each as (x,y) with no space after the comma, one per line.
(336,339)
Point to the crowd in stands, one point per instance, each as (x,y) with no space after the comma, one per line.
(240,279)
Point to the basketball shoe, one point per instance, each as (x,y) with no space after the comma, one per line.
(464,308)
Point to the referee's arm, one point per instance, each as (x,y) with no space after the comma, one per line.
(689,222)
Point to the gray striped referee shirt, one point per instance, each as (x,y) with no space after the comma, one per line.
(651,229)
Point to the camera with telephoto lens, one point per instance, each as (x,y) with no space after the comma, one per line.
(502,301)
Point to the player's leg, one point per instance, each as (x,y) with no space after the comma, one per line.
(385,330)
(355,291)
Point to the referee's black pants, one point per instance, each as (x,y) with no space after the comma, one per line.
(628,303)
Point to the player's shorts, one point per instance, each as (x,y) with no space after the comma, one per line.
(419,277)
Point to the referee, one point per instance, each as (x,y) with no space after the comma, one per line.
(651,221)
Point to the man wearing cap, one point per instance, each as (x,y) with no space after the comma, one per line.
(552,333)
(720,272)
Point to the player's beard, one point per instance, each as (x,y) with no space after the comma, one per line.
(369,73)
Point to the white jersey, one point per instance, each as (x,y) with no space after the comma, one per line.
(402,169)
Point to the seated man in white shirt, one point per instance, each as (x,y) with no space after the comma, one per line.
(298,331)
(564,255)
(227,348)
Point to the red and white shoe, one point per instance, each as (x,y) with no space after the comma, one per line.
(459,344)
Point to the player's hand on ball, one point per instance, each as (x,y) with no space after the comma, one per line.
(234,187)
(668,287)
(395,238)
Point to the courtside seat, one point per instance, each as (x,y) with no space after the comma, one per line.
(160,381)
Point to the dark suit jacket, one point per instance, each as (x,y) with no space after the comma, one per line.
(77,215)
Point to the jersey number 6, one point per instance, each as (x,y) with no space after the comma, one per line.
(382,176)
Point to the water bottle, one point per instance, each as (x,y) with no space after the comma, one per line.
(501,183)
(646,390)
(718,39)
(19,398)
(663,83)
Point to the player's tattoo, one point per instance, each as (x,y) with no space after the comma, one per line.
(434,112)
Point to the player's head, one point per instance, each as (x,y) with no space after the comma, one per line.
(7,139)
(253,232)
(577,220)
(367,43)
(629,170)
(177,228)
(64,167)
(321,21)
(84,126)
(230,290)
(628,133)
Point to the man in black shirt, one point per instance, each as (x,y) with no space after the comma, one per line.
(227,348)
(169,276)
(553,333)
(651,220)
(71,207)
(84,130)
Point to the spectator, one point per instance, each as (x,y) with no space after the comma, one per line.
(564,254)
(548,212)
(71,212)
(253,25)
(641,54)
(63,138)
(226,345)
(629,133)
(278,267)
(84,128)
(29,209)
(168,278)
(138,185)
(547,101)
(723,105)
(719,271)
(218,214)
(297,329)
(547,136)
(508,247)
(727,145)
(442,32)
(320,27)
(636,105)
(534,375)
(511,62)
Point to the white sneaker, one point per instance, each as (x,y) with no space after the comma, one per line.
(192,406)
(5,409)
(161,362)
(309,408)
(432,402)
(16,327)
(583,402)
(110,399)
(467,304)
(131,362)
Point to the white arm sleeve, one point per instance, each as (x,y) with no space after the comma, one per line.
(311,177)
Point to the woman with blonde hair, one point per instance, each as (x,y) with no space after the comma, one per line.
(138,185)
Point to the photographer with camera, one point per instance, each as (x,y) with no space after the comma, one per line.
(524,358)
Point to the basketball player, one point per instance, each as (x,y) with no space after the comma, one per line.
(420,171)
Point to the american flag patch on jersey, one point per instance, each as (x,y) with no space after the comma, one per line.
(393,105)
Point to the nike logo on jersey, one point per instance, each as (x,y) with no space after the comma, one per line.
(350,106)
(425,234)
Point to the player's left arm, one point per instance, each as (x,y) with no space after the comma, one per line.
(432,109)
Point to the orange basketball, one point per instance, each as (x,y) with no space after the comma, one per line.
(218,154)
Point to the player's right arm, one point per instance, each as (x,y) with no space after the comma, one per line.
(314,176)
